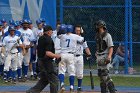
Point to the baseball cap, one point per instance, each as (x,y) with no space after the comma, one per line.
(47,28)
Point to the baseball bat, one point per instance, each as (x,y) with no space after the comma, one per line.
(91,76)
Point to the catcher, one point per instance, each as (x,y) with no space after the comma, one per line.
(104,50)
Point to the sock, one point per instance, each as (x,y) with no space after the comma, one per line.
(5,75)
(61,78)
(71,80)
(1,69)
(13,74)
(19,72)
(25,70)
(9,74)
(34,68)
(79,83)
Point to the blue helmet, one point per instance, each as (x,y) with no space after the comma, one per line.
(30,21)
(25,21)
(38,22)
(42,19)
(20,22)
(11,28)
(63,28)
(3,20)
(69,28)
(11,22)
(16,24)
(1,23)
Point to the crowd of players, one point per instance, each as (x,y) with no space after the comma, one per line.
(18,42)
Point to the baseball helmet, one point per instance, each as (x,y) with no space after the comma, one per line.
(3,20)
(100,23)
(11,28)
(11,22)
(25,21)
(69,28)
(38,22)
(30,21)
(16,24)
(63,28)
(42,19)
(1,23)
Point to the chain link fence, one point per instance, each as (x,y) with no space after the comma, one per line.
(113,12)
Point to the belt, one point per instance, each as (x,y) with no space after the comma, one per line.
(14,53)
(70,52)
(101,54)
(78,55)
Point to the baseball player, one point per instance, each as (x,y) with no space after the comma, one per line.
(32,65)
(79,64)
(68,43)
(20,56)
(5,25)
(104,50)
(28,38)
(56,39)
(38,33)
(11,43)
(1,50)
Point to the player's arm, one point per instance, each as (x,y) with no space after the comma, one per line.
(110,47)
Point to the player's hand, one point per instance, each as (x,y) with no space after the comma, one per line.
(57,56)
(27,46)
(89,58)
(107,61)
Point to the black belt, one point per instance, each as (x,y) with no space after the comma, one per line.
(70,52)
(14,53)
(78,55)
(101,54)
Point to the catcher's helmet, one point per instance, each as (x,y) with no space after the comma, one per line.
(100,23)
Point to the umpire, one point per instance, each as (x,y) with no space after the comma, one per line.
(104,46)
(48,69)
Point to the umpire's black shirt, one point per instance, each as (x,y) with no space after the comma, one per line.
(45,43)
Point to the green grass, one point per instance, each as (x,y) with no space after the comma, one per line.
(118,81)
(136,67)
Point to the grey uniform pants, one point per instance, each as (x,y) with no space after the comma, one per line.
(46,77)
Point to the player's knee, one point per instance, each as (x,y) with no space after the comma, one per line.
(79,76)
(6,68)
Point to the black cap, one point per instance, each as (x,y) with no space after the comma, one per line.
(47,28)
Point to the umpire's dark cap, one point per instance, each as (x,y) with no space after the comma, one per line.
(47,28)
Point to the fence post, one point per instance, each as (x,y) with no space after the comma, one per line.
(126,36)
(61,11)
(130,33)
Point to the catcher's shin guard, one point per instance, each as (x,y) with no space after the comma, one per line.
(103,87)
(111,87)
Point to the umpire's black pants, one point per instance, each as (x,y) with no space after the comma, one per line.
(48,75)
